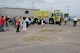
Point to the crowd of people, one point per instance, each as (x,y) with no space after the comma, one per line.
(24,22)
(17,22)
(14,21)
(69,20)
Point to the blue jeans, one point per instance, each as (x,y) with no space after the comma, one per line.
(7,24)
(1,27)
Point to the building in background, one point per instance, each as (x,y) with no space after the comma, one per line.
(7,11)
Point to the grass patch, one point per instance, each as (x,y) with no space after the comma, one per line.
(51,30)
(33,39)
(77,20)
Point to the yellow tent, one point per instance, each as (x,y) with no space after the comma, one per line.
(41,13)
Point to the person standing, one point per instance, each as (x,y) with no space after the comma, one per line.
(18,24)
(2,24)
(47,20)
(27,22)
(69,20)
(75,21)
(42,22)
(65,20)
(7,23)
(14,21)
(24,24)
(32,20)
(39,21)
(60,21)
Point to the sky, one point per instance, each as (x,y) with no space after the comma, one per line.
(71,6)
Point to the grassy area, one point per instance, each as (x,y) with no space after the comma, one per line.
(78,20)
(33,39)
(51,30)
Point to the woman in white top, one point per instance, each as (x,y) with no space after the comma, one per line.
(42,22)
(24,24)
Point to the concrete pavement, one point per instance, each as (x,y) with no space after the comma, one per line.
(68,41)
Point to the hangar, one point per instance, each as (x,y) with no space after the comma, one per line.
(8,11)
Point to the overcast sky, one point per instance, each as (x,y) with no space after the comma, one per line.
(64,5)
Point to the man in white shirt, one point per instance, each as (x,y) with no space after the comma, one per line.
(65,20)
(27,21)
(75,21)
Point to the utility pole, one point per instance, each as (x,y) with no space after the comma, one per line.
(33,5)
(51,9)
(68,9)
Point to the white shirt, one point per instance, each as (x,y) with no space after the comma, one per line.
(65,19)
(75,19)
(27,19)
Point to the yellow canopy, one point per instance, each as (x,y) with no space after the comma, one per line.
(41,13)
